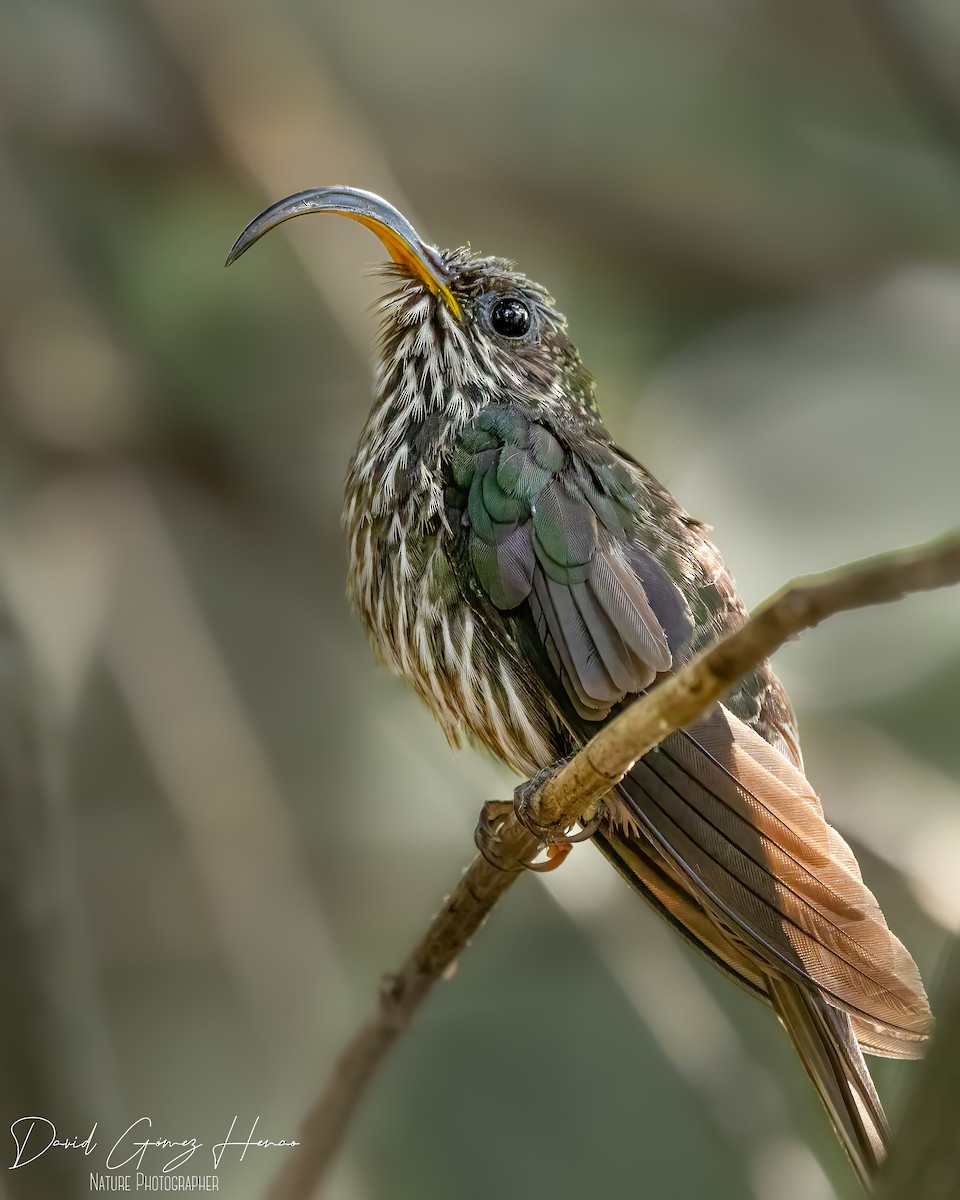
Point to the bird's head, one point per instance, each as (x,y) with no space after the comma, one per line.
(456,323)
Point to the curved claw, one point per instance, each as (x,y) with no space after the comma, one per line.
(524,809)
(496,813)
(556,854)
(586,831)
(493,816)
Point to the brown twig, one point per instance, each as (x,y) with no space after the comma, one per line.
(572,793)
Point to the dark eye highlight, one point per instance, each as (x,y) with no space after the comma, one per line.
(510,317)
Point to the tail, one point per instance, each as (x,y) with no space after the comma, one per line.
(723,833)
(821,1034)
(824,1039)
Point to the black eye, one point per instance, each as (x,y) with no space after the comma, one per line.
(510,318)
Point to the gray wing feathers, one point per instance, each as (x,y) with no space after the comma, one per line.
(605,636)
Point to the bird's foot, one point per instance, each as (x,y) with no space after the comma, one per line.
(493,840)
(499,817)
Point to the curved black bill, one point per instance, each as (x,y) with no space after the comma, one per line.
(401,240)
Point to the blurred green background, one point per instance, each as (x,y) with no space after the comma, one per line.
(222,821)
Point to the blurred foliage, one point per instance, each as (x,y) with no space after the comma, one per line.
(748,210)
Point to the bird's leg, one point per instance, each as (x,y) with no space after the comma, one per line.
(495,820)
(556,839)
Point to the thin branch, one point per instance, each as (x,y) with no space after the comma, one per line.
(572,794)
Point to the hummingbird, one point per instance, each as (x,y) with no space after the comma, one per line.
(528,578)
